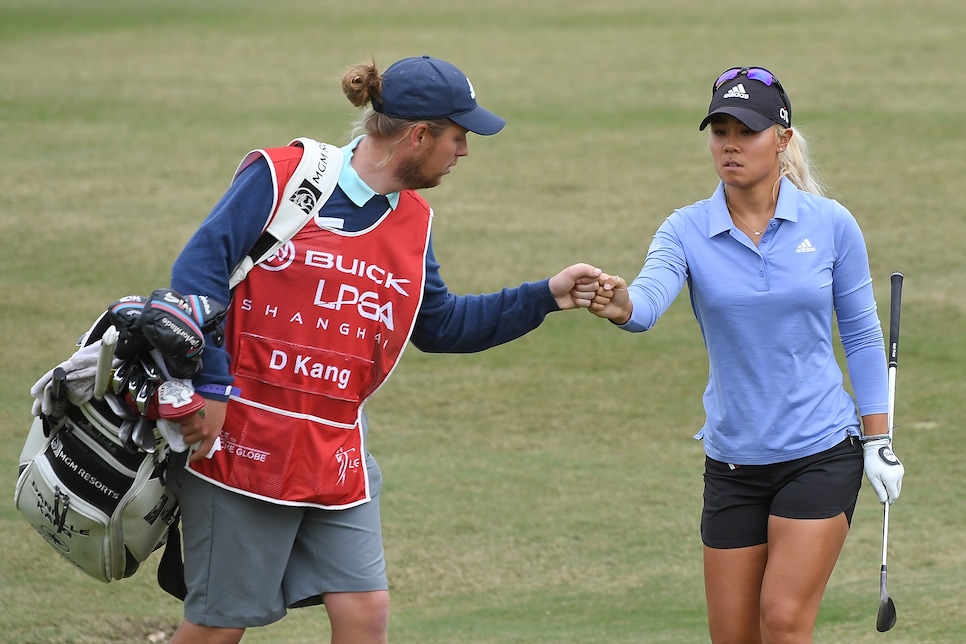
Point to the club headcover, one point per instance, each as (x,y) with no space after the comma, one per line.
(174,400)
(125,315)
(175,325)
(210,315)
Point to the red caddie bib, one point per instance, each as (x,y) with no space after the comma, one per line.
(313,332)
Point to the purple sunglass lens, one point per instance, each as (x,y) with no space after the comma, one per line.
(753,73)
(727,76)
(762,75)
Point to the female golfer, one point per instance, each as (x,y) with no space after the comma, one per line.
(768,260)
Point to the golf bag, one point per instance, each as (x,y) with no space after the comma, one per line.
(102,507)
(92,471)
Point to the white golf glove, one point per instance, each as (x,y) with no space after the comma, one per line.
(882,468)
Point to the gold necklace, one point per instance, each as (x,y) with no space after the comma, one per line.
(739,218)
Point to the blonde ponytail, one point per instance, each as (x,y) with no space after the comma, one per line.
(796,164)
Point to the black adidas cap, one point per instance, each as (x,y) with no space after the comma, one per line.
(753,96)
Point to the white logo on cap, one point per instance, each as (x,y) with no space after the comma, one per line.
(472,91)
(784,114)
(738,91)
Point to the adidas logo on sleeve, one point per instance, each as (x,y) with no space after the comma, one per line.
(738,91)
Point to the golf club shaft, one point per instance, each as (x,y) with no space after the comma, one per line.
(105,360)
(893,344)
(58,399)
(885,538)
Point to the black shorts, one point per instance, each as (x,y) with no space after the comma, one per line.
(738,502)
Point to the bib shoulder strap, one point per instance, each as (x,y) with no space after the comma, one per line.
(305,192)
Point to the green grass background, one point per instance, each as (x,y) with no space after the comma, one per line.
(547,490)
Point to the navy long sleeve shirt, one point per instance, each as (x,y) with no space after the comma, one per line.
(446,322)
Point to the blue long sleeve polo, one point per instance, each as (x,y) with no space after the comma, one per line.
(775,391)
(446,322)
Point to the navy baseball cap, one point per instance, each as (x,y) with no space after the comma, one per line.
(425,88)
(752,95)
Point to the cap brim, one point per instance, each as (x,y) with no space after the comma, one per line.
(750,118)
(479,121)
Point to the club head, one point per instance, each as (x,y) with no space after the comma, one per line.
(886,618)
(119,378)
(144,435)
(144,394)
(151,371)
(126,433)
(135,378)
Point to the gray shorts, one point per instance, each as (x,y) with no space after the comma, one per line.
(247,561)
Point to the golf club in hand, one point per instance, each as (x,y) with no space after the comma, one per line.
(886,617)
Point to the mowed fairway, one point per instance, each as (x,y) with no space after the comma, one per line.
(547,490)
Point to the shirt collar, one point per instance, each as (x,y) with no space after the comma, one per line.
(719,220)
(353,185)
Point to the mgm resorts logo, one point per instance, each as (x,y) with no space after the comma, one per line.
(306,196)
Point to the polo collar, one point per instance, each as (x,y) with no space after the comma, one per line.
(719,220)
(352,184)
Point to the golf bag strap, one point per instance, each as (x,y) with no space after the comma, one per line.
(304,194)
(171,566)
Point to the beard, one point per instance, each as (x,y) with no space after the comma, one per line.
(412,175)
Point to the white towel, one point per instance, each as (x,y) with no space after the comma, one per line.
(81,369)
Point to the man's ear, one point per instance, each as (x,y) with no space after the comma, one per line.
(419,134)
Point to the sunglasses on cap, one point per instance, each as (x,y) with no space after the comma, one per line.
(754,73)
(759,74)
